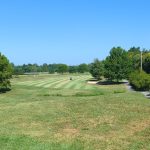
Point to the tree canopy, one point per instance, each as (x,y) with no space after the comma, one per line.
(5,73)
(97,69)
(62,68)
(117,64)
(83,68)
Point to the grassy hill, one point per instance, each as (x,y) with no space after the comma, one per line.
(53,112)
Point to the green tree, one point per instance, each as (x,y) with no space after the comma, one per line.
(134,54)
(18,70)
(73,69)
(117,65)
(97,69)
(146,62)
(5,73)
(62,68)
(83,68)
(45,68)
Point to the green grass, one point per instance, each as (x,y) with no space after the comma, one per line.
(50,112)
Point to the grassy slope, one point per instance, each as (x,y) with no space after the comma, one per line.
(72,115)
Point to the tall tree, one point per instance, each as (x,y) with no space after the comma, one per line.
(97,69)
(5,73)
(117,65)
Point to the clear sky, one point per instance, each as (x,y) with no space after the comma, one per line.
(71,31)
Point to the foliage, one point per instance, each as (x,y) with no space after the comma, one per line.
(82,68)
(146,62)
(62,68)
(117,65)
(51,68)
(5,73)
(140,80)
(73,69)
(135,50)
(97,69)
(134,54)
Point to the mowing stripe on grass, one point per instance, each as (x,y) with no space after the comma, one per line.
(70,84)
(61,85)
(78,86)
(78,83)
(22,83)
(35,82)
(50,80)
(30,82)
(88,87)
(47,82)
(53,83)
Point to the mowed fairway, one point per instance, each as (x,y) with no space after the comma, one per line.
(51,112)
(59,82)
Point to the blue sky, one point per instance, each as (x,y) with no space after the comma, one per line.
(71,31)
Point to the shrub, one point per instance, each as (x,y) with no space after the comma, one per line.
(140,80)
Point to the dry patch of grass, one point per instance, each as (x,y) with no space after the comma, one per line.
(67,133)
(137,126)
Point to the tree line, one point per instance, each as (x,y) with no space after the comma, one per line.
(119,64)
(122,64)
(50,68)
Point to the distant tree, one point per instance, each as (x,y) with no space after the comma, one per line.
(62,68)
(18,70)
(53,68)
(5,73)
(73,69)
(34,68)
(45,68)
(117,65)
(97,69)
(83,68)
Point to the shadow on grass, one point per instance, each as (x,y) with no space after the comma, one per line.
(110,83)
(4,90)
(79,94)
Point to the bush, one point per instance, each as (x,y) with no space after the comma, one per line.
(140,80)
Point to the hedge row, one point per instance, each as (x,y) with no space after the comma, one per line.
(140,80)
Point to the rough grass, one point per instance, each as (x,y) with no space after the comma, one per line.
(79,117)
